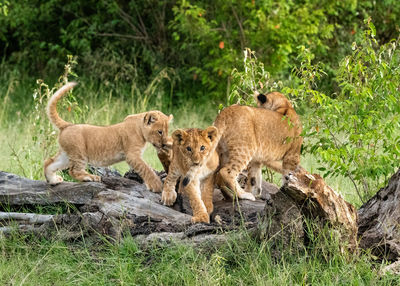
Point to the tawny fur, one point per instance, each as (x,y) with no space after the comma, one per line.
(105,145)
(194,156)
(277,102)
(165,154)
(253,137)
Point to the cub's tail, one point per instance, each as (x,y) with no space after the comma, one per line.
(52,106)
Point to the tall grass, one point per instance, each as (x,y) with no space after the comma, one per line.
(27,137)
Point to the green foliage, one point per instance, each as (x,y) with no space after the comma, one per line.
(253,77)
(202,41)
(214,34)
(4,7)
(356,132)
(43,135)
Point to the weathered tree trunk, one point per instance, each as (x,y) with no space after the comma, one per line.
(118,205)
(379,221)
(113,207)
(319,202)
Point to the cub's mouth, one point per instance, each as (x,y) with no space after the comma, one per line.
(158,146)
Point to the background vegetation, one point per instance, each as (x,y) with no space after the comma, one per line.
(338,61)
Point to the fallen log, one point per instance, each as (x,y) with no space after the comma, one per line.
(379,221)
(118,204)
(113,207)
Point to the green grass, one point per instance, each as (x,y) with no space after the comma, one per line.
(33,261)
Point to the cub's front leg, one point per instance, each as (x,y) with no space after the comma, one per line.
(152,181)
(168,196)
(192,190)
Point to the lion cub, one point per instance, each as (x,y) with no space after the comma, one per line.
(193,152)
(105,145)
(252,137)
(277,102)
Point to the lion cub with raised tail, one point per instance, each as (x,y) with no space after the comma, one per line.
(105,145)
(193,152)
(277,102)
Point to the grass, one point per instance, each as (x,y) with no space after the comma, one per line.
(28,260)
(32,261)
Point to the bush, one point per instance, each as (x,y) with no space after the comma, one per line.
(356,132)
(200,40)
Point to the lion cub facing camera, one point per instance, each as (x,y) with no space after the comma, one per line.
(193,156)
(105,145)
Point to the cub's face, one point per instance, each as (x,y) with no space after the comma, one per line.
(193,146)
(155,129)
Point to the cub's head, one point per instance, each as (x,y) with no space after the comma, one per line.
(155,128)
(194,145)
(274,101)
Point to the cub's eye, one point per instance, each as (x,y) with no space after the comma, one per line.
(160,132)
(188,148)
(202,148)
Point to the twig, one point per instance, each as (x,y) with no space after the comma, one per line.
(242,36)
(120,35)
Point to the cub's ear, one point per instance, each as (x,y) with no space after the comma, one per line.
(262,98)
(170,118)
(210,132)
(179,136)
(149,118)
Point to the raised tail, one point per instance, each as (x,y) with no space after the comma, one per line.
(52,106)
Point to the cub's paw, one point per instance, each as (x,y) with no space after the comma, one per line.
(92,178)
(168,198)
(56,180)
(247,196)
(257,192)
(201,218)
(155,185)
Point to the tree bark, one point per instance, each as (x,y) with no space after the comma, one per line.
(379,221)
(111,208)
(320,203)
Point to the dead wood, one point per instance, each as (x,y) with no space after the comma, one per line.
(119,205)
(379,221)
(115,206)
(319,202)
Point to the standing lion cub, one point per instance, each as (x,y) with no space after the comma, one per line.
(194,157)
(277,102)
(252,137)
(105,145)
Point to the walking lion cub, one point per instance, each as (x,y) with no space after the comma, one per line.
(194,157)
(105,145)
(277,102)
(252,137)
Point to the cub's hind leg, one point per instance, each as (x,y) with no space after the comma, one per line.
(54,164)
(228,174)
(254,178)
(78,172)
